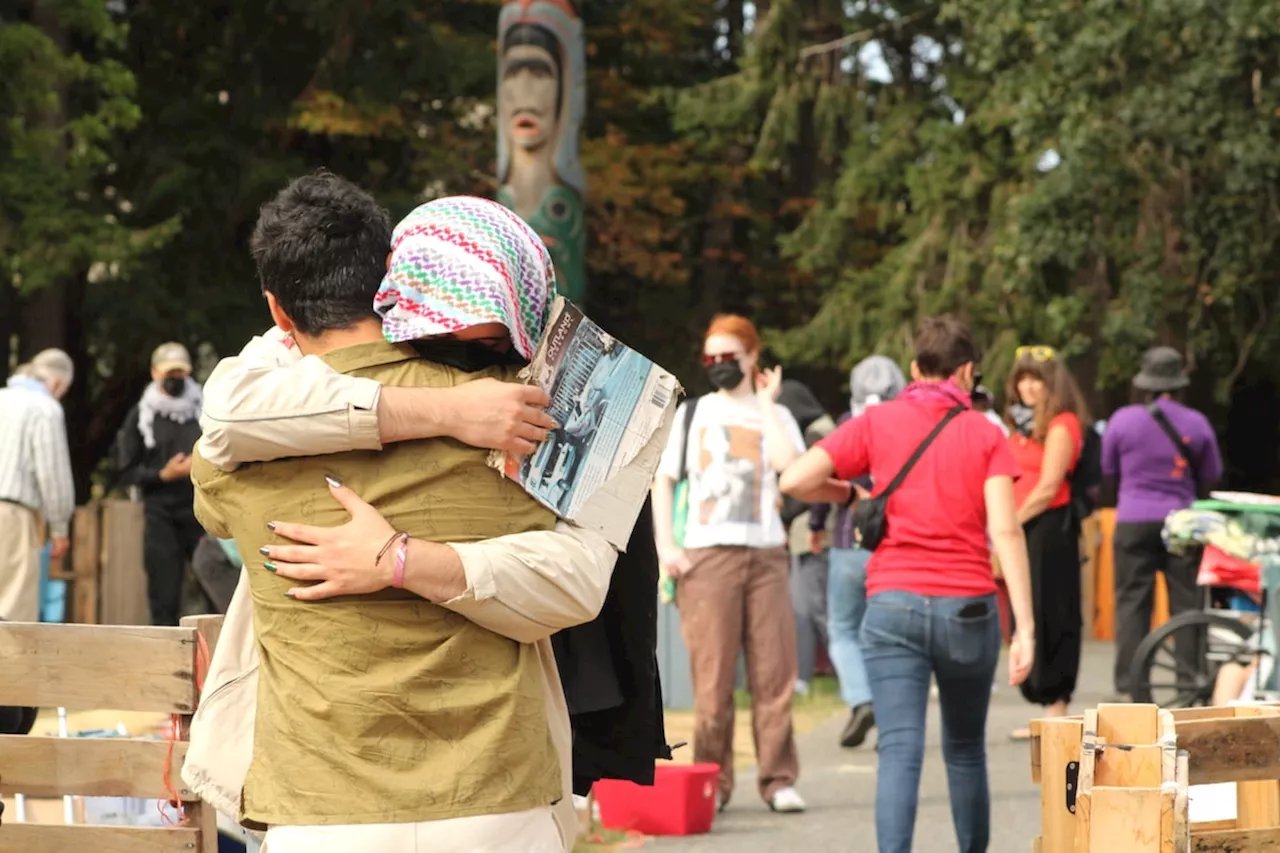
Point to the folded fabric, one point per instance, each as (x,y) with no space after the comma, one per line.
(1187,529)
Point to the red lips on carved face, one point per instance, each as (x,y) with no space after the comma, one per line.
(526,123)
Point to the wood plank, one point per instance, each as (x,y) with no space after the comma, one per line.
(1059,745)
(200,814)
(96,666)
(1237,841)
(1167,821)
(93,767)
(123,579)
(1104,601)
(1084,790)
(86,563)
(1125,819)
(1182,806)
(1244,749)
(1257,803)
(46,838)
(1130,767)
(1186,715)
(1136,725)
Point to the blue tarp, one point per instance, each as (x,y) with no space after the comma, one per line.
(53,594)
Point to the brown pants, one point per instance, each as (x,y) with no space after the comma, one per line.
(736,596)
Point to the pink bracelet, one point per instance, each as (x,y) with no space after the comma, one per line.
(402,553)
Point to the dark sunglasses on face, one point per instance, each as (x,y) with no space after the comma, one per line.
(720,358)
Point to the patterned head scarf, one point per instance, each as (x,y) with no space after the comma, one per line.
(461,261)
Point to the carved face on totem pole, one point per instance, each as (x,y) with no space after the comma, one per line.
(541,101)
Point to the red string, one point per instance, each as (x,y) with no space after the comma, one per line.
(174,800)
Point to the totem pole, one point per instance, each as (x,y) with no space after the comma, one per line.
(541,102)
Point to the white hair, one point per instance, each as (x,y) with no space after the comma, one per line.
(53,364)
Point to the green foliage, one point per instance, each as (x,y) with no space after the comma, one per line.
(1158,223)
(63,101)
(834,170)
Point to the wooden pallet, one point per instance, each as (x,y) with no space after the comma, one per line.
(1117,779)
(100,666)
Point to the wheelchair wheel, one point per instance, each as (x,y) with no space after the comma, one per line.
(1159,674)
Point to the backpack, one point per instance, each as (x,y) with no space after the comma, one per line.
(680,498)
(1086,479)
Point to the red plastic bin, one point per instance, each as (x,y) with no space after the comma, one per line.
(682,801)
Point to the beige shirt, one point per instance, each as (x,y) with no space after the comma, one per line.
(270,402)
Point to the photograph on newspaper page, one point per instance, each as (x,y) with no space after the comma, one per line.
(613,409)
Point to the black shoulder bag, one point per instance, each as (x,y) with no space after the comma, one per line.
(870,515)
(1183,448)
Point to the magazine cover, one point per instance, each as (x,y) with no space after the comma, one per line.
(613,408)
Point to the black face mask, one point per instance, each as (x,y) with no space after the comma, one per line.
(468,356)
(174,385)
(725,375)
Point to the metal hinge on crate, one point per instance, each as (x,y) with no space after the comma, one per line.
(1073,784)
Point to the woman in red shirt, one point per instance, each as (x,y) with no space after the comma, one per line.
(931,604)
(1046,447)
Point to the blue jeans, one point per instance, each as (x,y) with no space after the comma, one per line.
(905,639)
(846,602)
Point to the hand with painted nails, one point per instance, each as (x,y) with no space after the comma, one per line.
(335,560)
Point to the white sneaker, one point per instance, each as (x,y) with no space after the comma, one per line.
(786,800)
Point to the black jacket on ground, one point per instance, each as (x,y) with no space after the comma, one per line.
(609,669)
(139,465)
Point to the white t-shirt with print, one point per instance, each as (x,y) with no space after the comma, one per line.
(733,491)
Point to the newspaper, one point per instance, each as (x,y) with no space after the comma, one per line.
(613,408)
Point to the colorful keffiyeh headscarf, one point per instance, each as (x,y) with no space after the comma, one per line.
(461,261)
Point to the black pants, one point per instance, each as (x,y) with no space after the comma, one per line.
(169,540)
(1053,547)
(1139,553)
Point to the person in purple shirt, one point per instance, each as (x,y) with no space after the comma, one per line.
(1154,478)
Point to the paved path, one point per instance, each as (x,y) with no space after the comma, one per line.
(839,786)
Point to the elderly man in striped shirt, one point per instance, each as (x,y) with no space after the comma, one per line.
(35,478)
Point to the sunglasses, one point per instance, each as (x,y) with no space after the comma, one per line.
(1037,353)
(720,358)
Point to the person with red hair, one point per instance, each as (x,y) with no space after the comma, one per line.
(732,568)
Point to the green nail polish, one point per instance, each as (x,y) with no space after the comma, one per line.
(269,566)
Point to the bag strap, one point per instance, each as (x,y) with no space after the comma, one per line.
(689,408)
(919,451)
(1183,448)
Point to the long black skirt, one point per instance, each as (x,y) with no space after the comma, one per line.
(1053,546)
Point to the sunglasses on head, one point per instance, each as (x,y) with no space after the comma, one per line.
(720,358)
(1037,353)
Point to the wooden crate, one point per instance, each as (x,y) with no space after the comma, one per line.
(1118,779)
(90,667)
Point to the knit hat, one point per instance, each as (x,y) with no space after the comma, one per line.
(462,261)
(875,379)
